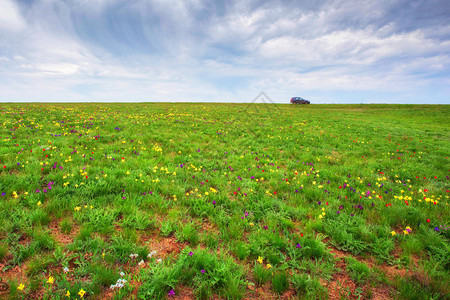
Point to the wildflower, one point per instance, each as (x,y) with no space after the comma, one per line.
(260,259)
(81,293)
(51,280)
(39,203)
(269,266)
(122,274)
(191,253)
(203,271)
(298,246)
(68,294)
(393,233)
(21,287)
(66,269)
(171,293)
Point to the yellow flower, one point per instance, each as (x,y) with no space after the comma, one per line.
(68,294)
(393,233)
(21,287)
(269,266)
(39,203)
(81,293)
(260,259)
(51,280)
(77,208)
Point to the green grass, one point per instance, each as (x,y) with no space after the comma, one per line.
(262,195)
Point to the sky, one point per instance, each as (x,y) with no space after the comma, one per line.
(327,51)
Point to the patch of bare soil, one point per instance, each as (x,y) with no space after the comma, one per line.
(379,292)
(341,285)
(163,246)
(61,237)
(184,293)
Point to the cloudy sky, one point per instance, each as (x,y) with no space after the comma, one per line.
(328,51)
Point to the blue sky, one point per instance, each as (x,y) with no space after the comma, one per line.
(327,51)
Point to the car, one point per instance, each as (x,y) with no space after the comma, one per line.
(299,100)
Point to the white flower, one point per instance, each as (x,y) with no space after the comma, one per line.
(151,254)
(141,262)
(122,274)
(66,269)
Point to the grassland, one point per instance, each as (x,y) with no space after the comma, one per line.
(233,201)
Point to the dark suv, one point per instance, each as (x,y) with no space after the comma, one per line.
(299,100)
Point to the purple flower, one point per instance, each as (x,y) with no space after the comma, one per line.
(298,246)
(203,271)
(436,228)
(191,253)
(214,202)
(171,293)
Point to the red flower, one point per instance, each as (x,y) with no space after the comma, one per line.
(274,193)
(428,220)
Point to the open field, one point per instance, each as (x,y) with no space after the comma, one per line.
(237,201)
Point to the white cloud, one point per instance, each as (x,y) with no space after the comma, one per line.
(10,19)
(186,50)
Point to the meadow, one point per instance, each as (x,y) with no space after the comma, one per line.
(224,201)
